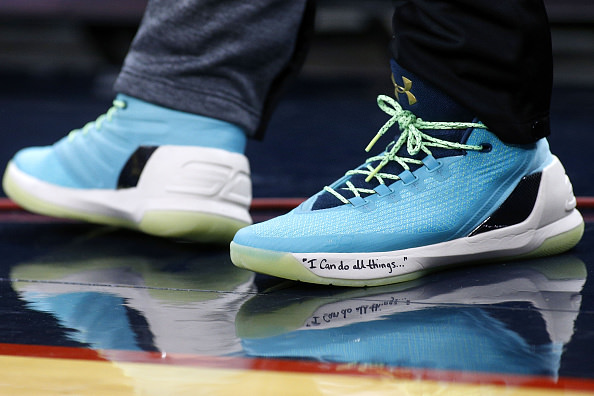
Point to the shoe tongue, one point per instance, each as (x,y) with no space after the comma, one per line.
(425,100)
(429,103)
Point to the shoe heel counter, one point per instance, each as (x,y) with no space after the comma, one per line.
(556,198)
(197,173)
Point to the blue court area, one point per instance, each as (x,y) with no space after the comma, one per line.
(97,310)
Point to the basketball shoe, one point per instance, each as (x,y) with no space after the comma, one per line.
(141,166)
(444,192)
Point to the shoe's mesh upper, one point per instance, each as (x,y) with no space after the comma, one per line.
(429,104)
(92,157)
(327,200)
(440,204)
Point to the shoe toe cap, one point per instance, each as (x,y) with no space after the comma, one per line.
(43,164)
(269,235)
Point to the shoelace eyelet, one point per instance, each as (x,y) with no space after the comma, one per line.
(486,148)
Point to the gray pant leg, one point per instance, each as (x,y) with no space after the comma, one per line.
(216,58)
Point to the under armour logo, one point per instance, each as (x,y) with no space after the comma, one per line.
(404,90)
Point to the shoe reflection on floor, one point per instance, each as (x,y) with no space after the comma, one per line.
(510,318)
(117,293)
(114,291)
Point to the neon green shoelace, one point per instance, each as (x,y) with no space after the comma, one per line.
(411,135)
(117,105)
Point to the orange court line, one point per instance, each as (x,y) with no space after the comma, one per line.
(298,366)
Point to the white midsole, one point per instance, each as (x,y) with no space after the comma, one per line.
(554,213)
(175,178)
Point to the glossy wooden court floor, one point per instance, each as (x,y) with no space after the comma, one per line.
(97,310)
(90,310)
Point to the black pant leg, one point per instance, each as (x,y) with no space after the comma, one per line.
(492,56)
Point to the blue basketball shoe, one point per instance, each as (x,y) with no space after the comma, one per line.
(142,166)
(443,193)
